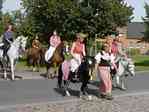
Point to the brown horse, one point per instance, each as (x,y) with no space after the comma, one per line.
(35,57)
(55,61)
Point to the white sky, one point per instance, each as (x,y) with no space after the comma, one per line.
(10,5)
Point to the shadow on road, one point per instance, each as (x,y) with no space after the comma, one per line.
(71,91)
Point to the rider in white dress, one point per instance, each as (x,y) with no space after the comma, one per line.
(54,42)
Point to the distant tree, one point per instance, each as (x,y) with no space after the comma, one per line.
(146,22)
(1,27)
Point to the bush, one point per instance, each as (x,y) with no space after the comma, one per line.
(93,48)
(134,51)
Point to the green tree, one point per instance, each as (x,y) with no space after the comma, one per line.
(146,22)
(71,16)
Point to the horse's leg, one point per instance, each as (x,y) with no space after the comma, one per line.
(4,66)
(34,67)
(117,79)
(122,83)
(65,82)
(55,70)
(12,69)
(48,74)
(85,81)
(38,65)
(5,72)
(66,85)
(59,78)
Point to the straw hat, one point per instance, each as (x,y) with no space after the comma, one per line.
(81,35)
(120,35)
(36,37)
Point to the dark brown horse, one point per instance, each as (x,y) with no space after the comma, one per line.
(55,61)
(35,57)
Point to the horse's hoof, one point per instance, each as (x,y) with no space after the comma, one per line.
(80,95)
(89,97)
(67,93)
(123,88)
(48,77)
(59,86)
(5,78)
(12,80)
(34,69)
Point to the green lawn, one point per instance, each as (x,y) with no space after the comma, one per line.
(22,65)
(141,62)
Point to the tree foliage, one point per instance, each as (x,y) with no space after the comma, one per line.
(71,16)
(146,22)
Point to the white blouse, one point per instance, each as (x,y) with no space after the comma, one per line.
(105,56)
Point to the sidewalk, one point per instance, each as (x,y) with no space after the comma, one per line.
(26,74)
(137,103)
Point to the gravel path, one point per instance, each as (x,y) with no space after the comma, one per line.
(137,103)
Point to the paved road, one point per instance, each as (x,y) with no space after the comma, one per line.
(43,90)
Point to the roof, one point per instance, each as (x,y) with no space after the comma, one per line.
(135,30)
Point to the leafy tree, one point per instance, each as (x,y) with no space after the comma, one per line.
(71,16)
(146,22)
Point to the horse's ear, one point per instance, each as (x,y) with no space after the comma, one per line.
(26,38)
(18,38)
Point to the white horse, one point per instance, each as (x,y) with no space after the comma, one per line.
(13,53)
(125,66)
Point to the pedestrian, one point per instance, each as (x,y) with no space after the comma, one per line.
(104,60)
(117,47)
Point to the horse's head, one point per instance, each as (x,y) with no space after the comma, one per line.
(129,66)
(89,60)
(22,41)
(88,63)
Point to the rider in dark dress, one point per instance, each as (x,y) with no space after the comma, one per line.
(7,39)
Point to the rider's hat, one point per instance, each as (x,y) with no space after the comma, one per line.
(36,37)
(120,35)
(81,35)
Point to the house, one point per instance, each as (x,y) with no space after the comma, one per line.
(132,36)
(134,32)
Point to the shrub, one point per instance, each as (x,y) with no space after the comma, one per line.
(134,51)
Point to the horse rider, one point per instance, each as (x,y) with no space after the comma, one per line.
(77,52)
(36,43)
(8,38)
(104,60)
(54,41)
(117,47)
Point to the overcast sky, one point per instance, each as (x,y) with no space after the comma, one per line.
(138,5)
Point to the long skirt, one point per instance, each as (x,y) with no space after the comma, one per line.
(75,62)
(66,69)
(106,82)
(49,53)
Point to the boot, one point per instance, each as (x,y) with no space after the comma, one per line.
(109,97)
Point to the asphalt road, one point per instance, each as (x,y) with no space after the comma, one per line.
(44,90)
